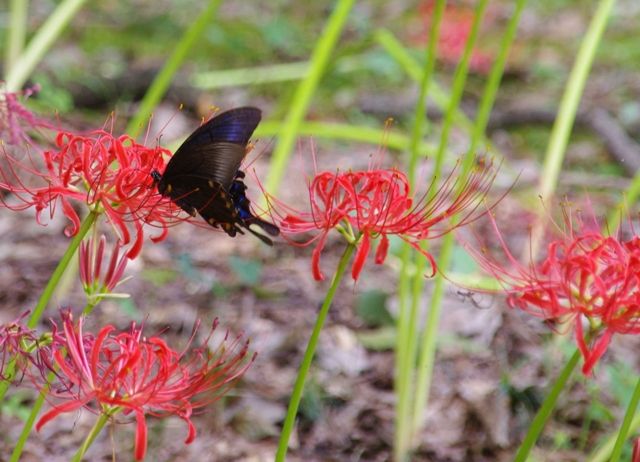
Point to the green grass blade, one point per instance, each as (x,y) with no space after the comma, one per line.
(408,299)
(273,73)
(17,33)
(392,139)
(412,67)
(563,124)
(428,347)
(41,42)
(304,92)
(571,99)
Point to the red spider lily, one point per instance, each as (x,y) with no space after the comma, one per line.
(16,120)
(95,282)
(377,203)
(455,29)
(108,174)
(126,372)
(586,278)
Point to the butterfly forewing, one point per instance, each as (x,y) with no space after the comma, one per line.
(231,127)
(218,161)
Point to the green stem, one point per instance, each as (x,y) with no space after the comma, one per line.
(90,306)
(93,434)
(495,77)
(304,92)
(571,99)
(60,269)
(545,411)
(18,74)
(162,81)
(28,425)
(406,398)
(32,323)
(250,75)
(17,33)
(428,344)
(626,424)
(403,367)
(298,388)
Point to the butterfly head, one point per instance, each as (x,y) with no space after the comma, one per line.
(158,182)
(156,176)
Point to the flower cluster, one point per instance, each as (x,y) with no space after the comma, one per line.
(586,278)
(125,372)
(108,174)
(374,203)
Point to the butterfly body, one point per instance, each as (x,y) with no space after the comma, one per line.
(204,177)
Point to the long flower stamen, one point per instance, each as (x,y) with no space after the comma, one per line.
(377,203)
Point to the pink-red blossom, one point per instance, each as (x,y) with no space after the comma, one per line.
(378,203)
(17,123)
(455,29)
(127,372)
(104,173)
(587,279)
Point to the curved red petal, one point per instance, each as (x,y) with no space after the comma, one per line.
(596,352)
(315,258)
(71,214)
(381,251)
(57,410)
(361,256)
(191,435)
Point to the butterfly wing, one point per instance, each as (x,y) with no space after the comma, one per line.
(215,149)
(207,198)
(234,126)
(203,175)
(216,161)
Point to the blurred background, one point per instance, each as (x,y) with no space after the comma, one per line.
(492,364)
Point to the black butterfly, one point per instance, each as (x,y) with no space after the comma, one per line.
(204,175)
